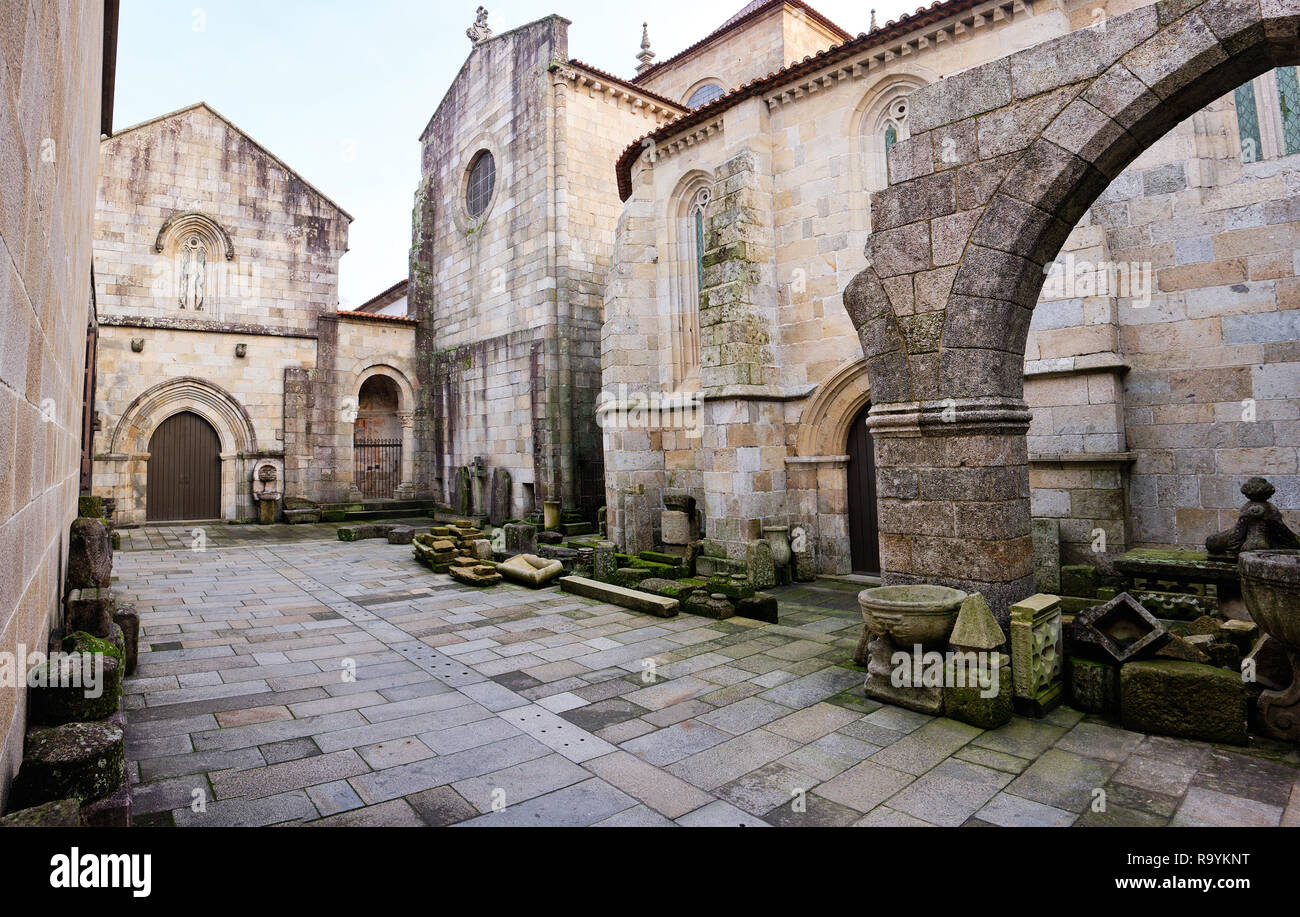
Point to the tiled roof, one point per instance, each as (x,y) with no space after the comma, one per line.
(631,87)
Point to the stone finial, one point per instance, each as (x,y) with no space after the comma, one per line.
(1259,527)
(479,31)
(646,54)
(873,26)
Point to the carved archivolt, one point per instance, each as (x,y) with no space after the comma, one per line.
(211,402)
(193,224)
(824,424)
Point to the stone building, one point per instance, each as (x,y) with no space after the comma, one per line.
(512,239)
(56,97)
(1161,365)
(221,347)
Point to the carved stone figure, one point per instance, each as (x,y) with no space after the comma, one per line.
(479,31)
(1258,528)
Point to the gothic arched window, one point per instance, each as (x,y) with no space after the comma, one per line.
(1268,115)
(688,212)
(892,129)
(884,122)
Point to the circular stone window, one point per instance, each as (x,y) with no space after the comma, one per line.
(482,181)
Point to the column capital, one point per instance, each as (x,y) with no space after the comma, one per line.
(950,417)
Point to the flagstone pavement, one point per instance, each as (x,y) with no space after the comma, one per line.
(289,678)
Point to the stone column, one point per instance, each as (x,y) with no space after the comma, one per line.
(406,489)
(743,450)
(953,497)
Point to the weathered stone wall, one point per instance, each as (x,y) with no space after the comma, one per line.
(51,60)
(483,287)
(510,301)
(269,268)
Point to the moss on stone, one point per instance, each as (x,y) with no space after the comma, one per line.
(1183,699)
(82,642)
(83,761)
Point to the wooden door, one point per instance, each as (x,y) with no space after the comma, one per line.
(184,470)
(864,535)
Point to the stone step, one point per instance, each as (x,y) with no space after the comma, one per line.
(634,599)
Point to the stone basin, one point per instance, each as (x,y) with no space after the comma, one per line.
(1270,582)
(909,615)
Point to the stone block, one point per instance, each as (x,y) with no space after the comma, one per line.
(604,561)
(1079,580)
(616,595)
(89,610)
(401,534)
(1046,535)
(1183,699)
(759,564)
(90,554)
(75,687)
(86,761)
(1094,686)
(61,813)
(676,527)
(126,617)
(761,606)
(521,538)
(110,811)
(976,692)
(499,497)
(1268,664)
(474,573)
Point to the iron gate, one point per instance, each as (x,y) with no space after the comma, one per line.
(377,467)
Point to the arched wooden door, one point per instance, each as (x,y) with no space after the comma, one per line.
(184,476)
(864,534)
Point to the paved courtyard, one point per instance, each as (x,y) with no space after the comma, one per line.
(288,678)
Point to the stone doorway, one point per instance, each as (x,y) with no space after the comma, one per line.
(864,533)
(184,470)
(377,439)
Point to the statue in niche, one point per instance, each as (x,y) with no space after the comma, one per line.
(192,274)
(479,31)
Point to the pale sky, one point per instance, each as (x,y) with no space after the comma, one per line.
(340,89)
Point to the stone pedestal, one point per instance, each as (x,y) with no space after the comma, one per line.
(913,694)
(1279,711)
(268,511)
(604,562)
(521,538)
(551,515)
